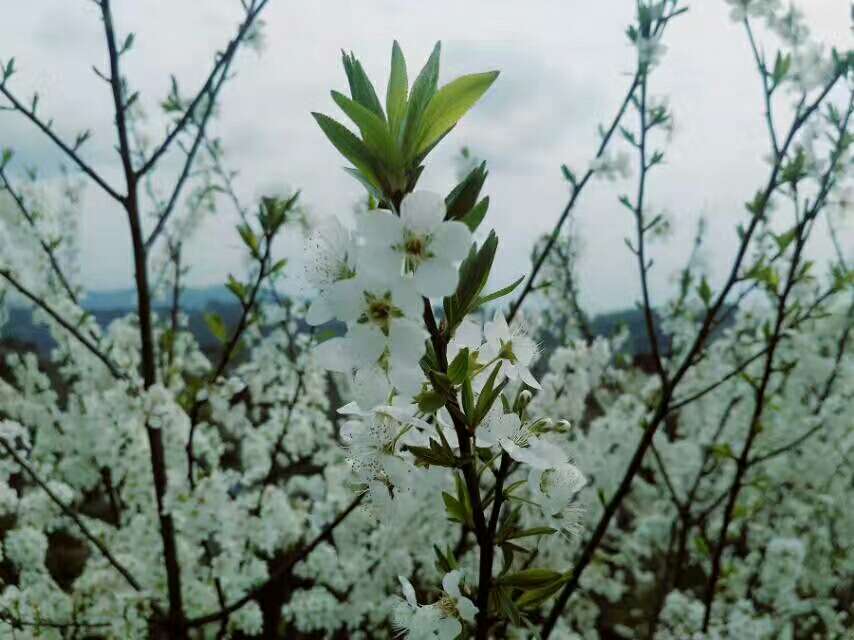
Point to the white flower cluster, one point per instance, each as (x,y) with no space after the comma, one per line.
(375,280)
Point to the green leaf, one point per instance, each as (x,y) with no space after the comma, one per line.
(398,86)
(249,239)
(530,578)
(374,131)
(464,196)
(435,455)
(535,531)
(536,597)
(451,103)
(456,510)
(509,610)
(474,272)
(361,88)
(474,217)
(487,395)
(373,190)
(237,288)
(216,326)
(785,239)
(705,291)
(459,367)
(429,401)
(701,547)
(468,398)
(349,145)
(5,157)
(500,293)
(423,90)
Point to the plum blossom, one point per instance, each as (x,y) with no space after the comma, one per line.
(513,347)
(554,489)
(612,166)
(418,242)
(331,269)
(743,9)
(383,343)
(456,601)
(650,49)
(423,622)
(518,440)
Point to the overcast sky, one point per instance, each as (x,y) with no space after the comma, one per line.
(563,71)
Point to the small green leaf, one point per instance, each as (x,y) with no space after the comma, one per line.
(785,239)
(536,597)
(361,88)
(398,86)
(474,217)
(459,367)
(488,395)
(349,145)
(249,239)
(237,288)
(429,401)
(705,291)
(449,104)
(530,578)
(701,546)
(535,531)
(216,326)
(375,134)
(464,196)
(500,293)
(474,272)
(456,510)
(435,455)
(423,90)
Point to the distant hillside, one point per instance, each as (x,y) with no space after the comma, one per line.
(107,306)
(125,299)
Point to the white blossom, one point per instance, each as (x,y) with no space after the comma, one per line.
(418,242)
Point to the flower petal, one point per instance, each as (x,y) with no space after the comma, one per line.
(406,340)
(451,583)
(451,241)
(380,227)
(497,328)
(334,355)
(466,609)
(319,312)
(366,344)
(370,387)
(422,211)
(436,279)
(469,334)
(345,299)
(408,591)
(406,298)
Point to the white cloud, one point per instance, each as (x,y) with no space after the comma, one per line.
(563,66)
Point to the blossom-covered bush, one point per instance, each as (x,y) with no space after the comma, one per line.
(402,453)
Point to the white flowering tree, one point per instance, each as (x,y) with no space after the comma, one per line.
(438,468)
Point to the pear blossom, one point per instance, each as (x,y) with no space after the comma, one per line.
(419,243)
